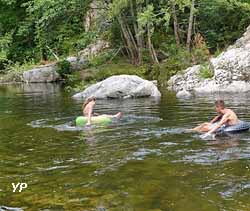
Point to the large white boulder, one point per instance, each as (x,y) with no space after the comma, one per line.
(121,86)
(41,74)
(231,72)
(232,65)
(186,80)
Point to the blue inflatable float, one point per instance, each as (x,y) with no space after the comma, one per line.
(240,127)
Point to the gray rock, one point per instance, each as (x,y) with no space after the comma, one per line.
(231,72)
(184,94)
(73,62)
(233,87)
(76,63)
(122,86)
(186,80)
(41,74)
(232,65)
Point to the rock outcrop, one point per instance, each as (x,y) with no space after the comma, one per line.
(121,86)
(42,74)
(76,63)
(231,72)
(48,73)
(186,80)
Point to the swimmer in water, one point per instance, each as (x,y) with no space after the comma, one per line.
(88,110)
(226,117)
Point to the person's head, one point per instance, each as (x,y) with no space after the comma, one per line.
(219,105)
(88,101)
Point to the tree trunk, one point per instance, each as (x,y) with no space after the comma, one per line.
(151,47)
(133,10)
(176,25)
(190,25)
(127,40)
(128,36)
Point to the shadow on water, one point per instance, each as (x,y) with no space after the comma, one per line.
(145,161)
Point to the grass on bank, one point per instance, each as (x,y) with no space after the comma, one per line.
(13,72)
(80,80)
(108,63)
(206,72)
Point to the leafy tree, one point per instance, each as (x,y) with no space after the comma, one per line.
(144,31)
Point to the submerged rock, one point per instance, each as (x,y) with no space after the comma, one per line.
(41,74)
(231,72)
(121,86)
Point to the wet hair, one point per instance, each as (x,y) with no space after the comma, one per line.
(220,103)
(87,101)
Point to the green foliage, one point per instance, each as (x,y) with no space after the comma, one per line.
(13,72)
(107,70)
(11,77)
(5,41)
(217,52)
(78,87)
(37,26)
(178,59)
(117,6)
(206,72)
(102,58)
(31,31)
(200,55)
(223,21)
(84,40)
(63,68)
(74,83)
(147,16)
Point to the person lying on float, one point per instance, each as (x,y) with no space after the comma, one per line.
(226,117)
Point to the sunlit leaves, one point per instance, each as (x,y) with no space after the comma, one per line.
(5,41)
(117,6)
(151,17)
(147,16)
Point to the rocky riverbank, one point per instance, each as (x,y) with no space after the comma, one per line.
(49,73)
(230,70)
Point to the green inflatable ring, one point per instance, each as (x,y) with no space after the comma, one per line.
(82,120)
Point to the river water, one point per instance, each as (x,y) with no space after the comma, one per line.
(145,162)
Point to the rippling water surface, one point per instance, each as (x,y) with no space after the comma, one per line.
(145,162)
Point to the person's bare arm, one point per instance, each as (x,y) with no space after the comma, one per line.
(215,119)
(224,119)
